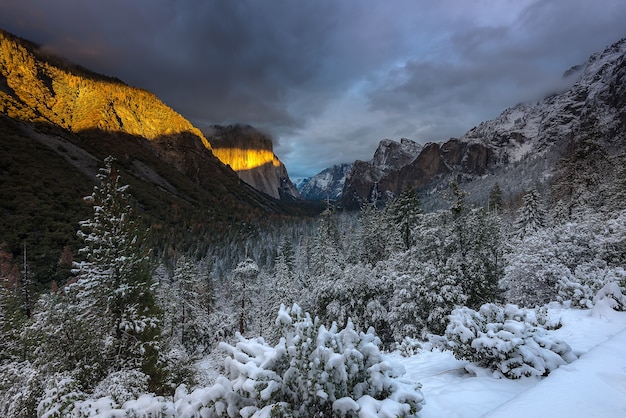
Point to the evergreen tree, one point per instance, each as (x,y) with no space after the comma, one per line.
(286,286)
(115,288)
(12,317)
(373,237)
(244,284)
(531,216)
(326,258)
(458,206)
(404,214)
(187,308)
(484,259)
(496,201)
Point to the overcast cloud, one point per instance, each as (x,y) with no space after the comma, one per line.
(328,79)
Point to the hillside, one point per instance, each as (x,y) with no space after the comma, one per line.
(59,121)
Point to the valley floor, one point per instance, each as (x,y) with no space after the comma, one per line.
(592,386)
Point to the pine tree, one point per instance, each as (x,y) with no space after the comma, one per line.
(373,235)
(187,305)
(115,288)
(244,284)
(404,213)
(326,254)
(496,201)
(484,259)
(531,216)
(12,317)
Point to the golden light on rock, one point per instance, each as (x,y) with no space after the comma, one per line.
(245,159)
(37,89)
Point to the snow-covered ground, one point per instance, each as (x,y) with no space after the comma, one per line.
(592,386)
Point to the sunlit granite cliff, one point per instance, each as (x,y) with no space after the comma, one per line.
(37,87)
(250,153)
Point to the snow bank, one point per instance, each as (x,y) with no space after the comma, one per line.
(592,386)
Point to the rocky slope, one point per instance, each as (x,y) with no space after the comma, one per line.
(328,184)
(251,155)
(529,139)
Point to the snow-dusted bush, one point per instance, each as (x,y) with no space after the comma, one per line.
(582,287)
(508,340)
(62,398)
(613,295)
(20,389)
(312,371)
(122,386)
(564,261)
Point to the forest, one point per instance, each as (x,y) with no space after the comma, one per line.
(294,319)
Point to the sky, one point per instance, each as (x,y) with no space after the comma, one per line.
(328,79)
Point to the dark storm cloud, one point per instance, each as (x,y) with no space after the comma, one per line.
(328,79)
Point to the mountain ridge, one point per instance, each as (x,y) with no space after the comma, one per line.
(594,105)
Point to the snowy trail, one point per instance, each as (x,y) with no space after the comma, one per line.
(592,386)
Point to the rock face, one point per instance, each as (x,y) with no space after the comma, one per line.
(40,88)
(381,172)
(251,155)
(594,107)
(328,184)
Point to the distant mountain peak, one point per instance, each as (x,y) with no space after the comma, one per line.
(327,184)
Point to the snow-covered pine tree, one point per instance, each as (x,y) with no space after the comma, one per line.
(286,286)
(186,313)
(532,216)
(115,287)
(496,201)
(244,284)
(404,214)
(484,257)
(326,257)
(373,236)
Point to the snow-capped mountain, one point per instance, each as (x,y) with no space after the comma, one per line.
(328,184)
(530,138)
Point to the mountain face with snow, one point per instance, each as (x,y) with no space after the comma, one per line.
(327,184)
(521,136)
(389,158)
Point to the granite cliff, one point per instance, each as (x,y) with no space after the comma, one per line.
(250,153)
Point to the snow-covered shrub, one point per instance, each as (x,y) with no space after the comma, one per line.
(559,263)
(588,279)
(122,386)
(20,389)
(613,294)
(312,371)
(508,340)
(61,398)
(409,347)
